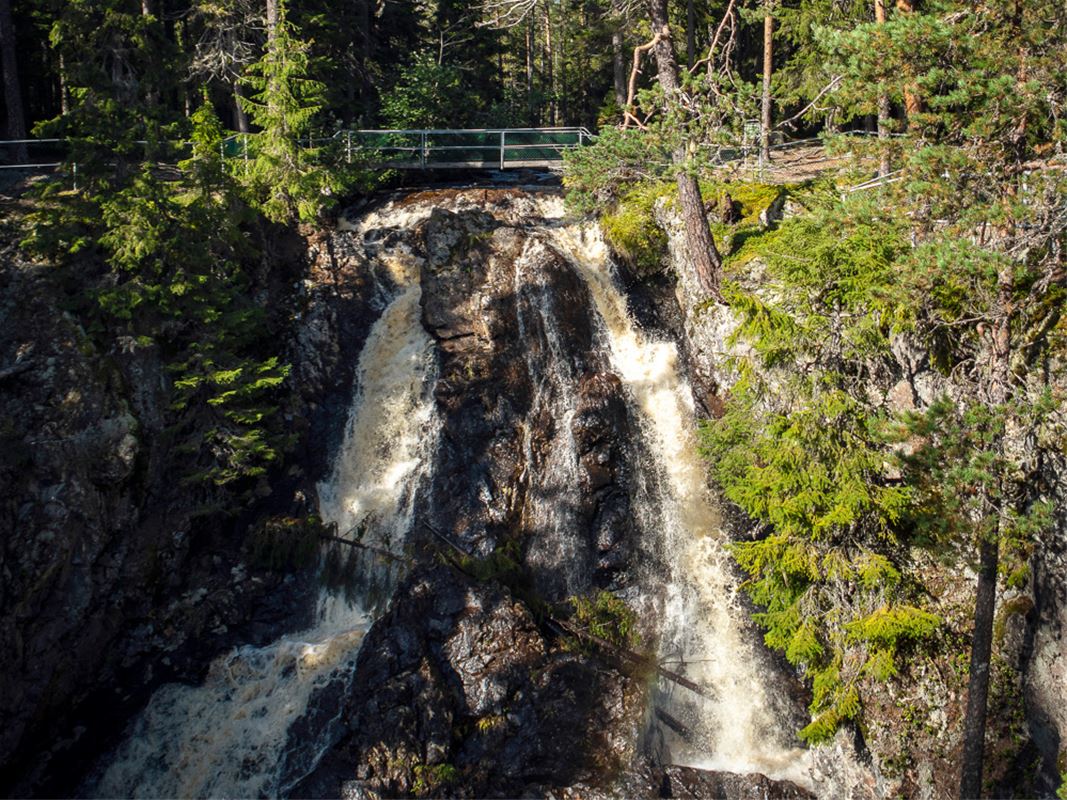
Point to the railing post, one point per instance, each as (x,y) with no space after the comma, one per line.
(422,149)
(502,134)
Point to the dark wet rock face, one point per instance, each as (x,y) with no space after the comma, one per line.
(114,579)
(534,428)
(696,784)
(459,693)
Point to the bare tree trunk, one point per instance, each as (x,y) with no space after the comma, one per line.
(702,250)
(16,118)
(974,721)
(64,95)
(366,55)
(564,88)
(912,101)
(978,685)
(152,95)
(240,118)
(550,58)
(883,106)
(272,19)
(530,111)
(768,67)
(618,63)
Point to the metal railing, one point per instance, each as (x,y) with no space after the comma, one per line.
(438,148)
(51,148)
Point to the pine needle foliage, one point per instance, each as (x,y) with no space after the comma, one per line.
(176,278)
(828,564)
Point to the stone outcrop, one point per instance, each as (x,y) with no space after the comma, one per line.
(461,688)
(460,693)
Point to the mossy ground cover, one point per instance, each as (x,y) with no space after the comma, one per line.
(633,232)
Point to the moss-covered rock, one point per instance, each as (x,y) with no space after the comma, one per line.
(632,231)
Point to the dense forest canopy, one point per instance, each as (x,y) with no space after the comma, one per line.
(402,63)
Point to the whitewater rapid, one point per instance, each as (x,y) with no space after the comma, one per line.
(229,737)
(703,630)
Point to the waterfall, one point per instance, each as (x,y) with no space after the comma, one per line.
(264,716)
(702,633)
(229,737)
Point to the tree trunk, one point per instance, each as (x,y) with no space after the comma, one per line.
(618,63)
(690,33)
(978,685)
(768,67)
(366,56)
(912,101)
(272,19)
(985,600)
(240,118)
(64,95)
(531,118)
(16,119)
(702,251)
(883,106)
(564,88)
(550,58)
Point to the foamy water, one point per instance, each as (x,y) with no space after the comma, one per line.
(703,627)
(229,737)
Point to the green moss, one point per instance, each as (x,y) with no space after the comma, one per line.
(632,231)
(1021,605)
(500,565)
(753,198)
(631,228)
(431,778)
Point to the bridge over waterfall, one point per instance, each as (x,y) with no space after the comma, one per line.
(470,148)
(473,148)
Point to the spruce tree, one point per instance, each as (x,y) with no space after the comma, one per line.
(283,175)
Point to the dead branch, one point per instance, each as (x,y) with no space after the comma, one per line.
(827,88)
(635,658)
(368,547)
(639,51)
(506,13)
(710,57)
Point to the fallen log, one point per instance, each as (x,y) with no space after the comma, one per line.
(671,722)
(635,658)
(370,548)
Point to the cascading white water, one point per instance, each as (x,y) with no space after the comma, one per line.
(229,736)
(702,631)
